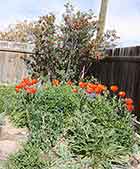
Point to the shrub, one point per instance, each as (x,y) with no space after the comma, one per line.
(65,51)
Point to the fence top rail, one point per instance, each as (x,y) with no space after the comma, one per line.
(120,54)
(16,51)
(127,51)
(13,46)
(131,59)
(109,58)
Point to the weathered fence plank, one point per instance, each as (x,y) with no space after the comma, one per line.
(12,67)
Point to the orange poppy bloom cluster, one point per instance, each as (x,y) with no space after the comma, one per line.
(92,88)
(128,101)
(129,104)
(114,88)
(89,87)
(96,88)
(27,85)
(99,88)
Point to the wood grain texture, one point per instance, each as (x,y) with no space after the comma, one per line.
(12,67)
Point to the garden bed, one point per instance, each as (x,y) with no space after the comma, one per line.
(71,126)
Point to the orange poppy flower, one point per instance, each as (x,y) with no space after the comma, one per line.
(17,90)
(74,90)
(55,82)
(128,101)
(91,85)
(85,83)
(34,81)
(98,90)
(21,85)
(130,107)
(31,90)
(114,88)
(102,87)
(18,87)
(122,94)
(82,85)
(69,83)
(26,81)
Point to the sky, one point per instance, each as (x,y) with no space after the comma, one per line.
(122,15)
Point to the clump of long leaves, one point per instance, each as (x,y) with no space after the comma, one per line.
(99,129)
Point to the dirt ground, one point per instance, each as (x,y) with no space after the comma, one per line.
(11,139)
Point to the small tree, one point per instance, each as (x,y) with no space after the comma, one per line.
(77,30)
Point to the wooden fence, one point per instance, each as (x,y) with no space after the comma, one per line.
(121,67)
(12,68)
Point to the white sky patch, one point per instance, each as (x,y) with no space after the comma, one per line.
(124,16)
(127,28)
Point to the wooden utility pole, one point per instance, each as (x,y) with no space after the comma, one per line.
(101,21)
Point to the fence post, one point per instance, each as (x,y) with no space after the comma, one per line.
(101,22)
